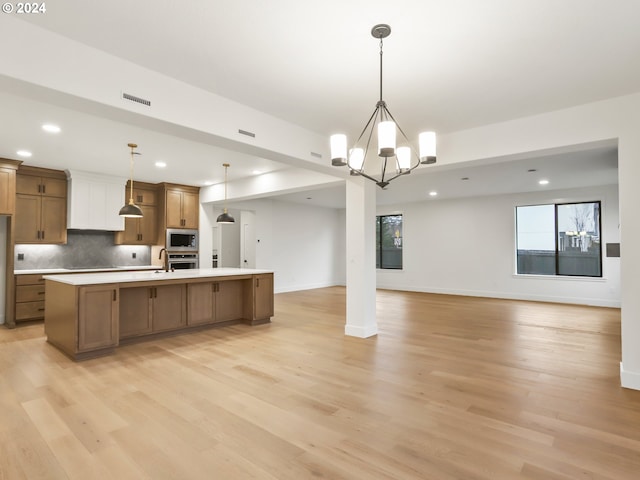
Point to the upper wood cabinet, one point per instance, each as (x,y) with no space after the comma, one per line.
(8,186)
(141,231)
(181,206)
(41,206)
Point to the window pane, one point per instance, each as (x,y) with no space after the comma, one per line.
(579,239)
(390,241)
(536,245)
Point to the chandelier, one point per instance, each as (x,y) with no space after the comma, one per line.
(405,157)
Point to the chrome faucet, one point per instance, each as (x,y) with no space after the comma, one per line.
(165,264)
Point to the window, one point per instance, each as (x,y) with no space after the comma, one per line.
(389,241)
(559,239)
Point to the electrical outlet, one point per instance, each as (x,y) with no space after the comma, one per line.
(21,256)
(133,255)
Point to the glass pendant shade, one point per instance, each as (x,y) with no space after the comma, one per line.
(338,150)
(356,158)
(403,157)
(427,145)
(386,139)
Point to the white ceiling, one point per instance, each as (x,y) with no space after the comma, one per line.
(449,65)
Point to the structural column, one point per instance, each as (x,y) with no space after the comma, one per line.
(629,201)
(361,261)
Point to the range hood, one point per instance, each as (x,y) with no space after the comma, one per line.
(94,201)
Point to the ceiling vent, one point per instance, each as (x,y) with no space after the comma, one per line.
(248,134)
(133,98)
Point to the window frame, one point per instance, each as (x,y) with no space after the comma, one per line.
(379,236)
(597,223)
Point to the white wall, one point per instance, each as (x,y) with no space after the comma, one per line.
(467,246)
(300,243)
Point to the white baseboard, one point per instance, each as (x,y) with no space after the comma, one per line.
(595,302)
(310,286)
(360,332)
(629,379)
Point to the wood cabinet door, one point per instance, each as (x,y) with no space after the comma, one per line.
(190,215)
(135,311)
(53,222)
(28,184)
(7,191)
(130,235)
(169,307)
(263,296)
(200,306)
(142,196)
(53,187)
(229,300)
(148,225)
(27,220)
(174,209)
(97,317)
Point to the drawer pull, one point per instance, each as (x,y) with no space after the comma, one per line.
(41,309)
(40,293)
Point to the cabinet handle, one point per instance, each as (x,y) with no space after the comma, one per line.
(114,295)
(150,292)
(38,234)
(44,189)
(155,292)
(40,293)
(41,309)
(257,282)
(43,235)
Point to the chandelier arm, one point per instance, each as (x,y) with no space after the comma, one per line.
(371,118)
(413,150)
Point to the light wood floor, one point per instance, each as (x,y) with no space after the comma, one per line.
(451,388)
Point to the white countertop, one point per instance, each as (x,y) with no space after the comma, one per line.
(49,271)
(80,279)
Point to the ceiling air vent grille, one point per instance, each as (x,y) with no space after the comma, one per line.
(133,98)
(248,134)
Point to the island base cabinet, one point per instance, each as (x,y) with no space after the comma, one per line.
(215,302)
(262,298)
(135,311)
(82,321)
(97,317)
(145,310)
(168,307)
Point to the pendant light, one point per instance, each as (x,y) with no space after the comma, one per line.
(388,133)
(224,217)
(131,210)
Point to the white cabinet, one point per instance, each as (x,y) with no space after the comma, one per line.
(94,201)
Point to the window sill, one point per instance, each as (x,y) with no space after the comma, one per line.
(563,278)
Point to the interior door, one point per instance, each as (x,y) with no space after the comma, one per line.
(248,239)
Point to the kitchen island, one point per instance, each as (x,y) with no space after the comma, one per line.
(88,315)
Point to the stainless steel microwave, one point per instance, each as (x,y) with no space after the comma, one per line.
(182,240)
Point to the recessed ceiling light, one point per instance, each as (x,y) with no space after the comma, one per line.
(49,127)
(433,194)
(24,153)
(256,172)
(161,164)
(544,182)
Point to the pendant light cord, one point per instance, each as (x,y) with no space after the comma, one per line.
(380,69)
(132,146)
